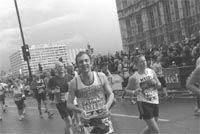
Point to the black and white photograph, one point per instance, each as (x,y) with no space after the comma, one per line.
(100,67)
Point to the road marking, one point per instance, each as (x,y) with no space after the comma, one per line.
(132,116)
(114,114)
(27,107)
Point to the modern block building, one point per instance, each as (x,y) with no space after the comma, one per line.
(46,55)
(145,22)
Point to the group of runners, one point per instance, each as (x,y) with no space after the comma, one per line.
(87,95)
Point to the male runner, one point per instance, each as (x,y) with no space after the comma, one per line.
(90,88)
(59,87)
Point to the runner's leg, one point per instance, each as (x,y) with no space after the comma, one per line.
(152,126)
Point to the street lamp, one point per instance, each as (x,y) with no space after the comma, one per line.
(25,53)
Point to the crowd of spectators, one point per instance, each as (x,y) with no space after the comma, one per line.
(179,53)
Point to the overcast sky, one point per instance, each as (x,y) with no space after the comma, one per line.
(75,22)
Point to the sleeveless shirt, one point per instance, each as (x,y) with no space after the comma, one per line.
(91,97)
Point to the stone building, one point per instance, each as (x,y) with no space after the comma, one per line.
(154,22)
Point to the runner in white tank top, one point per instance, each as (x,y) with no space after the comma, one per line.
(90,89)
(144,83)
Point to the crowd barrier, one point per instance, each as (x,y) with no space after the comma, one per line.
(176,78)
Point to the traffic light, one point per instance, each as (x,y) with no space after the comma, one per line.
(61,59)
(26,53)
(40,67)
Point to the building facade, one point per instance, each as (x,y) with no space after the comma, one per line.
(145,22)
(46,55)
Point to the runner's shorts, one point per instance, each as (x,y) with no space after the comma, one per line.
(63,110)
(148,110)
(100,126)
(125,82)
(40,96)
(2,98)
(20,104)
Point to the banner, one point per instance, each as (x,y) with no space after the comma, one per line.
(172,78)
(176,77)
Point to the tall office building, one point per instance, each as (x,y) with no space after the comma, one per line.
(145,22)
(46,55)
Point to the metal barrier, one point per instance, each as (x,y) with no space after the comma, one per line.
(176,78)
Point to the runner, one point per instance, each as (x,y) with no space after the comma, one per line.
(123,70)
(193,84)
(157,67)
(90,89)
(19,97)
(105,70)
(38,87)
(144,83)
(2,98)
(75,118)
(58,85)
(46,81)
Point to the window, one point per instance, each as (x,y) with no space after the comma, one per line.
(128,27)
(151,18)
(176,9)
(139,23)
(167,10)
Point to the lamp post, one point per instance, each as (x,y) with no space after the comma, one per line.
(23,40)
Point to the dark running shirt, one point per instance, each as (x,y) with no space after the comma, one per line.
(61,84)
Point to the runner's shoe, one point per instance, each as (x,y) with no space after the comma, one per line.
(50,115)
(20,118)
(133,102)
(197,112)
(4,109)
(41,116)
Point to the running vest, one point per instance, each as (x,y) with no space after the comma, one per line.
(40,86)
(1,89)
(149,93)
(91,98)
(125,70)
(17,92)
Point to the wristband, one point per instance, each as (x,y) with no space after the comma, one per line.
(133,92)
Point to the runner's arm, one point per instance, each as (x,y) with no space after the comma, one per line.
(132,87)
(193,81)
(71,96)
(108,90)
(156,82)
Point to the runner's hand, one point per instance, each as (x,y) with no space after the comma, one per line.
(83,113)
(106,108)
(137,91)
(152,82)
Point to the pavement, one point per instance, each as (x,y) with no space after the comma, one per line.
(176,117)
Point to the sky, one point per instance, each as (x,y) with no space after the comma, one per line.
(74,22)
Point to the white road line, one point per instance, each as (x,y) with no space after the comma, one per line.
(114,114)
(34,108)
(132,116)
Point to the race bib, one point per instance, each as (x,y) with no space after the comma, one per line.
(94,107)
(18,97)
(148,91)
(126,74)
(40,90)
(150,94)
(64,96)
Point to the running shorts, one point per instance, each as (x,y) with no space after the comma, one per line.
(148,110)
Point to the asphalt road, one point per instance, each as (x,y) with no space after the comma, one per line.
(176,117)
